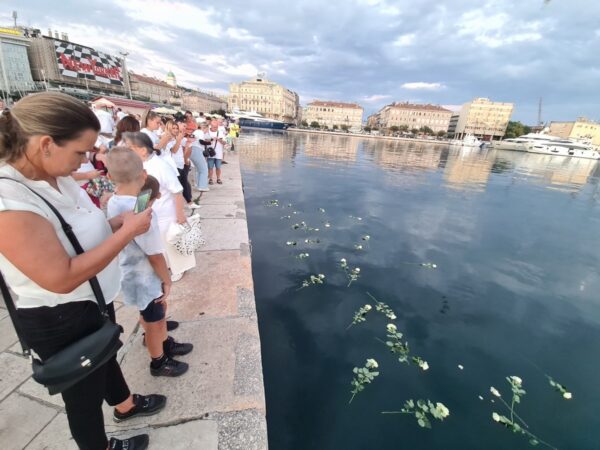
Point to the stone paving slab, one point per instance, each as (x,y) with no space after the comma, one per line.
(21,419)
(222,273)
(55,436)
(224,234)
(15,370)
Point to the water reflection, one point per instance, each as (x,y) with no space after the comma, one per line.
(462,169)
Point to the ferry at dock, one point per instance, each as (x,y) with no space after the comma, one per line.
(252,119)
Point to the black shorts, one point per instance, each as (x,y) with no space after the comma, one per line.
(154,312)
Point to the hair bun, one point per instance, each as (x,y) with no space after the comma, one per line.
(11,140)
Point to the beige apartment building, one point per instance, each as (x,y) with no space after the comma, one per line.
(483,118)
(265,97)
(151,89)
(415,116)
(194,100)
(582,128)
(334,113)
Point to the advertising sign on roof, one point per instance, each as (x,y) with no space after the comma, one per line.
(83,62)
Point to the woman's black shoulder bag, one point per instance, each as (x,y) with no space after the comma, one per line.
(76,361)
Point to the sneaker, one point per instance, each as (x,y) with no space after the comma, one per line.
(201,189)
(172,325)
(170,368)
(174,348)
(210,182)
(145,405)
(139,442)
(219,182)
(176,277)
(193,205)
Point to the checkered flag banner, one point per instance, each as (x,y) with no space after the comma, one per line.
(83,62)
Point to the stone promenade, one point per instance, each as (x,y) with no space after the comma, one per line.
(219,403)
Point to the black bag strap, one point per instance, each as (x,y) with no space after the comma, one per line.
(68,230)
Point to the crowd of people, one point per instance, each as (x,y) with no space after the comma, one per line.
(121,183)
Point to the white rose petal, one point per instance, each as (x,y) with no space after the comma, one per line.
(357,270)
(496,417)
(516,380)
(371,364)
(368,307)
(460,366)
(495,392)
(424,365)
(568,395)
(480,397)
(434,266)
(391,328)
(392,316)
(321,276)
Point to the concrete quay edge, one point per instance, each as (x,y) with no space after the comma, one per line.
(219,403)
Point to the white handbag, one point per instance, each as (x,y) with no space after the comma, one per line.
(187,237)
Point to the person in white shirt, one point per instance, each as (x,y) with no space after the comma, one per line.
(180,149)
(151,125)
(217,141)
(169,208)
(107,122)
(120,114)
(43,139)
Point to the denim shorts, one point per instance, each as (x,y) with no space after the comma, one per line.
(213,162)
(154,312)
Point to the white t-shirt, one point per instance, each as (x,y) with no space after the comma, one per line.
(213,136)
(164,207)
(89,225)
(152,135)
(107,123)
(121,114)
(139,281)
(85,167)
(176,157)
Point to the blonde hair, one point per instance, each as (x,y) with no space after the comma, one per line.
(54,114)
(124,165)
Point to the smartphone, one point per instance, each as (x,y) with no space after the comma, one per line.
(142,201)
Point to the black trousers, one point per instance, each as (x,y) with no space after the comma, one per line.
(183,179)
(50,329)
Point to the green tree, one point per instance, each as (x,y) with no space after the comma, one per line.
(335,127)
(516,129)
(304,123)
(345,128)
(367,128)
(220,112)
(426,130)
(394,129)
(325,127)
(415,131)
(315,124)
(403,128)
(441,133)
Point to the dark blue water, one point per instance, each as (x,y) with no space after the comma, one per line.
(515,240)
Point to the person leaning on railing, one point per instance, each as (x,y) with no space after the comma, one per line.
(43,139)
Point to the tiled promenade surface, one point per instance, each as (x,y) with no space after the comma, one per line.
(219,403)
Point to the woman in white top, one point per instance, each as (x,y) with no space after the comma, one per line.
(151,125)
(43,139)
(169,208)
(181,150)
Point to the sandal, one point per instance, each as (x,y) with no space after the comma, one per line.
(210,182)
(219,182)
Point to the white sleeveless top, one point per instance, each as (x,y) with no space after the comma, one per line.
(89,225)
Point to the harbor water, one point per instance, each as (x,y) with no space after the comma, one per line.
(489,259)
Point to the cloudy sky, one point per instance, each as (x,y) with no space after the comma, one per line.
(369,51)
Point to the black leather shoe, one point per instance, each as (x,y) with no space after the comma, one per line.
(172,325)
(139,442)
(145,405)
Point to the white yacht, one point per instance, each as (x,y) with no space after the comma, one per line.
(468,141)
(253,119)
(546,144)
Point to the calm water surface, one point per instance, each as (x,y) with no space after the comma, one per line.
(515,238)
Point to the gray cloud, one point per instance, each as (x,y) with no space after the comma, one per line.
(357,50)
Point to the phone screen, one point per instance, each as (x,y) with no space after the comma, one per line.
(142,201)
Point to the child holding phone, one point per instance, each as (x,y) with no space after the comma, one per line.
(146,281)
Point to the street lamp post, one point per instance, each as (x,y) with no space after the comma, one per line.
(126,73)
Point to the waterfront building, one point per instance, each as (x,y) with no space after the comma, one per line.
(151,89)
(334,113)
(582,128)
(453,123)
(171,79)
(265,97)
(58,64)
(413,116)
(15,71)
(483,118)
(373,121)
(194,100)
